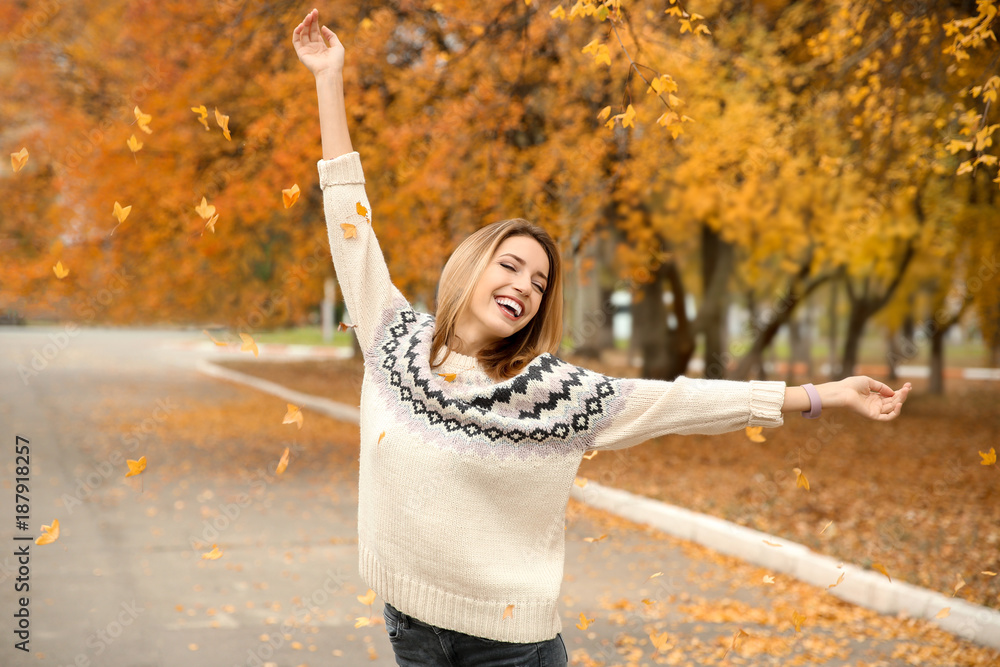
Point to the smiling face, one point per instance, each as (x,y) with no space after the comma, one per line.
(519,272)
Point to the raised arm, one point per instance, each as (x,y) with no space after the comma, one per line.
(364,280)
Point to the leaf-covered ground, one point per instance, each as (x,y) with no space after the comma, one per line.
(910,494)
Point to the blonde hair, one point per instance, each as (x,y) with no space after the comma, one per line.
(505,358)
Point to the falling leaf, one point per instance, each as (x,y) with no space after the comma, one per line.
(584,622)
(134,144)
(660,641)
(753,432)
(19,159)
(580,481)
(349,230)
(135,467)
(143,120)
(214,554)
(367,598)
(223,122)
(121,212)
(204,115)
(590,455)
(604,113)
(345,327)
(282,463)
(839,579)
(248,345)
(958,584)
(770,544)
(798,619)
(210,225)
(881,568)
(290,195)
(989,458)
(362,211)
(800,479)
(204,209)
(825,527)
(449,377)
(362,621)
(60,270)
(595,539)
(654,575)
(943,613)
(217,342)
(648,602)
(49,533)
(740,634)
(508,612)
(988,573)
(768,579)
(293,415)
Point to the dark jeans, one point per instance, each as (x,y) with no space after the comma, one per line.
(416,643)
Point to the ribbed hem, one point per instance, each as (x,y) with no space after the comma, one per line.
(766,399)
(341,170)
(532,621)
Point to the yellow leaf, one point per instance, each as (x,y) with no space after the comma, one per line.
(217,342)
(223,122)
(753,432)
(604,113)
(204,115)
(988,573)
(367,598)
(825,527)
(881,568)
(380,436)
(770,544)
(134,144)
(685,26)
(290,195)
(121,212)
(959,584)
(249,345)
(661,642)
(49,533)
(595,539)
(740,634)
(214,554)
(508,612)
(362,621)
(702,29)
(839,579)
(282,463)
(449,377)
(349,230)
(143,120)
(654,575)
(558,12)
(590,455)
(135,467)
(798,619)
(800,479)
(629,119)
(362,211)
(204,209)
(210,224)
(943,613)
(293,415)
(580,481)
(989,458)
(768,579)
(584,622)
(19,159)
(60,271)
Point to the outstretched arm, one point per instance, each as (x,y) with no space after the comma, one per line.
(364,280)
(858,393)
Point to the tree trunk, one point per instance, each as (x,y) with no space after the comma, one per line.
(716,265)
(649,327)
(832,333)
(679,345)
(937,361)
(852,338)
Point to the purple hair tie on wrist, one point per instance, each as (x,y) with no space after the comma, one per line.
(815,406)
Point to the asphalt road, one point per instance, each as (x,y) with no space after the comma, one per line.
(125,586)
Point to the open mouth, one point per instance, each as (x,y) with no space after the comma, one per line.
(508,311)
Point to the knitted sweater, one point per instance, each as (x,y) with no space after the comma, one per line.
(463,484)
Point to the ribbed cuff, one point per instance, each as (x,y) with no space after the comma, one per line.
(341,170)
(766,399)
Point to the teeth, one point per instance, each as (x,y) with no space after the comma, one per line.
(510,302)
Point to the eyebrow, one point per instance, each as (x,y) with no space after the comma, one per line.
(537,273)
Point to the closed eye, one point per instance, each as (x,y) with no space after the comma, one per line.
(541,290)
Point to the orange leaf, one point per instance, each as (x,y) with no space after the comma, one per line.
(508,612)
(989,458)
(345,327)
(580,481)
(293,415)
(362,621)
(349,230)
(753,432)
(595,539)
(282,463)
(770,544)
(143,120)
(19,159)
(881,568)
(800,479)
(60,270)
(135,467)
(133,144)
(204,115)
(49,533)
(660,641)
(248,344)
(217,342)
(290,195)
(839,579)
(768,579)
(590,455)
(367,598)
(584,622)
(214,554)
(121,212)
(798,619)
(943,613)
(449,377)
(223,122)
(362,211)
(204,209)
(210,225)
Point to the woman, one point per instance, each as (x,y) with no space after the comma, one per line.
(472,430)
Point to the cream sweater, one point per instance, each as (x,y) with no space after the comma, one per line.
(464,484)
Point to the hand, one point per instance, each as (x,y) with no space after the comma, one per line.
(313,51)
(872,398)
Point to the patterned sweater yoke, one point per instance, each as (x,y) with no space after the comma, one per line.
(463,481)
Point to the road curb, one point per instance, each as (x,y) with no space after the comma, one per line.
(862,587)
